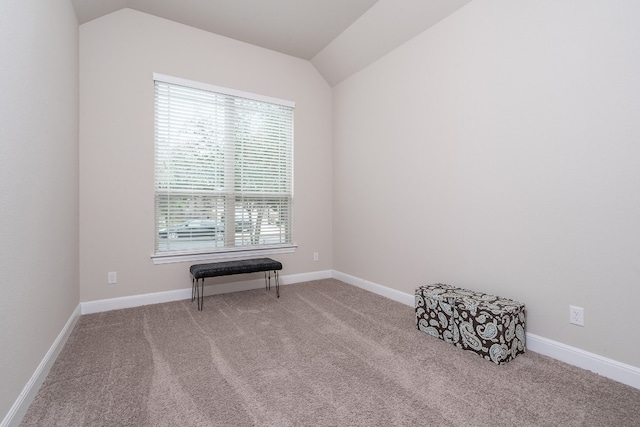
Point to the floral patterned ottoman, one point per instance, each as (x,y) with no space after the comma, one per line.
(487,325)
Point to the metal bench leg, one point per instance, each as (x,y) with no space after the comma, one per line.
(193,288)
(267,281)
(197,291)
(201,299)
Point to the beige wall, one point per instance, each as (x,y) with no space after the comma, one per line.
(118,54)
(499,151)
(38,184)
(496,151)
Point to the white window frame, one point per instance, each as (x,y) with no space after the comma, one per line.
(228,251)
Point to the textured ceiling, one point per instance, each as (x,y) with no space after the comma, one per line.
(340,37)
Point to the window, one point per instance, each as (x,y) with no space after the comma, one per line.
(223,171)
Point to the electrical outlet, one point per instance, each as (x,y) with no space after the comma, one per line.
(576,315)
(112,277)
(315,256)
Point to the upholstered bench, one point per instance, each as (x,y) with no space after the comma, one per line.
(490,326)
(227,268)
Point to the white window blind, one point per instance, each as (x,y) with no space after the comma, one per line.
(223,169)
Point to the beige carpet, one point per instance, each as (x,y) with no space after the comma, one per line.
(324,354)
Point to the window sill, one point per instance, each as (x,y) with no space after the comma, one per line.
(174,257)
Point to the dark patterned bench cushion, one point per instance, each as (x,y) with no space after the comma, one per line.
(226,268)
(487,325)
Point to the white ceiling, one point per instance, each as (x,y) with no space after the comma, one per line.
(340,37)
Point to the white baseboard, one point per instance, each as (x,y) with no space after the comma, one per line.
(30,390)
(609,368)
(99,306)
(393,294)
(305,277)
(618,371)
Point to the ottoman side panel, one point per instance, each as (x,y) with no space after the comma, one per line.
(434,311)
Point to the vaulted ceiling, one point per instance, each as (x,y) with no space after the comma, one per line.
(340,37)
